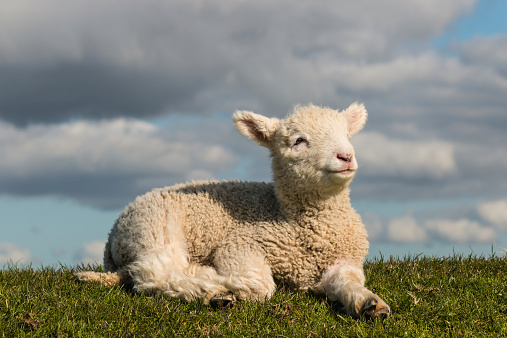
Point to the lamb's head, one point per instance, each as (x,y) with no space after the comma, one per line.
(311,148)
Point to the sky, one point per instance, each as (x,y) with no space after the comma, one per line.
(101,101)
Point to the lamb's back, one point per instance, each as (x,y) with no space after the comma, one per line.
(211,211)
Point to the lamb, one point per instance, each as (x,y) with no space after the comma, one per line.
(220,241)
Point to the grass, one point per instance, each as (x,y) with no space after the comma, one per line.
(429,297)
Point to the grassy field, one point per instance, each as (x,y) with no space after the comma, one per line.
(429,297)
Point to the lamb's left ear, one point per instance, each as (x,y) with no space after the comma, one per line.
(258,128)
(356,116)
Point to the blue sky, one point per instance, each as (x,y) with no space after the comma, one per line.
(487,18)
(100,102)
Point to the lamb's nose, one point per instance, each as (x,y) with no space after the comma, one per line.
(345,157)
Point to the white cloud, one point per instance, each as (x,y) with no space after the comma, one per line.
(115,157)
(461,231)
(386,76)
(494,212)
(379,155)
(405,229)
(13,253)
(112,147)
(408,230)
(373,225)
(91,253)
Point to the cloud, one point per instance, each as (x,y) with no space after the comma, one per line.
(418,166)
(13,253)
(105,163)
(494,212)
(94,59)
(405,229)
(391,76)
(90,253)
(424,229)
(381,156)
(461,231)
(488,52)
(374,227)
(117,62)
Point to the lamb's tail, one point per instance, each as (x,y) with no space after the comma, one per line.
(105,278)
(118,277)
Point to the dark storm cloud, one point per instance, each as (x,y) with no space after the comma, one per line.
(99,59)
(88,90)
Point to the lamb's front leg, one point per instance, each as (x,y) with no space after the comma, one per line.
(345,283)
(247,274)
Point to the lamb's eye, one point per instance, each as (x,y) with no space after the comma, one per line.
(299,141)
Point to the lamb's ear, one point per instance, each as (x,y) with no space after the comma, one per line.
(356,116)
(258,128)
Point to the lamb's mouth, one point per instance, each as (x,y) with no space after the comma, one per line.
(344,172)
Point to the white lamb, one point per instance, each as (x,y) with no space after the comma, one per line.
(218,241)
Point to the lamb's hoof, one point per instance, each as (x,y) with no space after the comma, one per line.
(222,300)
(375,309)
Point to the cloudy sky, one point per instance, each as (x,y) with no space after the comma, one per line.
(103,101)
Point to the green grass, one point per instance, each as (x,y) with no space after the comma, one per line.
(429,297)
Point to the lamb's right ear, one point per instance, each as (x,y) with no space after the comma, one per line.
(258,128)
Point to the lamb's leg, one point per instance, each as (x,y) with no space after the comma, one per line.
(168,273)
(246,274)
(345,283)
